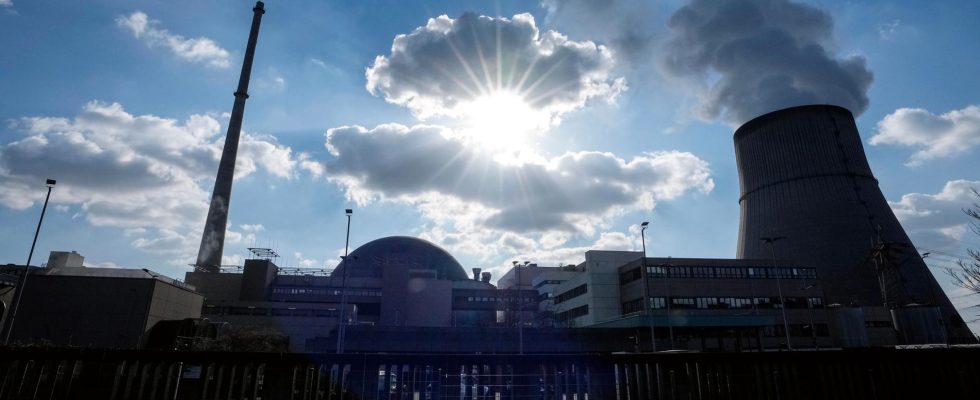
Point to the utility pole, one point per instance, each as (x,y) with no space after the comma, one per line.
(779,287)
(342,322)
(646,286)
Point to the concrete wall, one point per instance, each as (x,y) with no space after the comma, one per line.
(84,311)
(216,286)
(170,302)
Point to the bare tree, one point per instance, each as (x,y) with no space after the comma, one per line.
(967,276)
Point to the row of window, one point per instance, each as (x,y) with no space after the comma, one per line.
(527,299)
(547,282)
(279,312)
(572,293)
(733,302)
(686,271)
(573,313)
(325,291)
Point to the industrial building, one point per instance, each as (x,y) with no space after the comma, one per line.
(822,262)
(68,304)
(410,295)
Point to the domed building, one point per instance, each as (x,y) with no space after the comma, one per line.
(396,281)
(374,258)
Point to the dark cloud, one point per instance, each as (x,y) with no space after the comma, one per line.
(449,62)
(415,163)
(757,56)
(629,27)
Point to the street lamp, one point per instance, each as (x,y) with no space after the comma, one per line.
(779,287)
(23,278)
(520,308)
(809,308)
(342,327)
(646,286)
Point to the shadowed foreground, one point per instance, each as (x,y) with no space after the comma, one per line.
(119,374)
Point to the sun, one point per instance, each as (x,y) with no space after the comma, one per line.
(501,120)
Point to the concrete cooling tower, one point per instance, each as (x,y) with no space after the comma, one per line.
(804,176)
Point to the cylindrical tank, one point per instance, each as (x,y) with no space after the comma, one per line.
(804,175)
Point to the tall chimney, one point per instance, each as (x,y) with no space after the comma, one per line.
(213,239)
(476,273)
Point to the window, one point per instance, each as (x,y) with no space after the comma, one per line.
(572,293)
(573,313)
(657,303)
(630,276)
(707,302)
(682,302)
(633,306)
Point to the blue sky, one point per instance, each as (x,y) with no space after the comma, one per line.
(125,103)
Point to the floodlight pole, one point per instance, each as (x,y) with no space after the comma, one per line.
(779,287)
(809,308)
(646,286)
(342,323)
(520,309)
(27,268)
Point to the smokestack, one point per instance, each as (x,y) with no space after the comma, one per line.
(476,273)
(213,238)
(486,277)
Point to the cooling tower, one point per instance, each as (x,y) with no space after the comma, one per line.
(803,175)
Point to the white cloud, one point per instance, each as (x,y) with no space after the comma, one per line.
(441,68)
(141,173)
(304,262)
(6,3)
(427,166)
(751,57)
(888,30)
(938,213)
(201,49)
(937,136)
(252,227)
(272,81)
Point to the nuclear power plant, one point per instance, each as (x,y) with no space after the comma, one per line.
(822,262)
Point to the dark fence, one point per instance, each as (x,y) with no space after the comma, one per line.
(122,374)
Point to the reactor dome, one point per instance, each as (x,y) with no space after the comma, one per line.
(372,258)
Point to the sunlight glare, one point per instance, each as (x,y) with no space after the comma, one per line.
(502,120)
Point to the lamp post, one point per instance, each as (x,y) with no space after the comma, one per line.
(23,278)
(520,308)
(809,308)
(646,286)
(779,287)
(342,323)
(670,315)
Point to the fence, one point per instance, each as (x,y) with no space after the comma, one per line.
(131,374)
